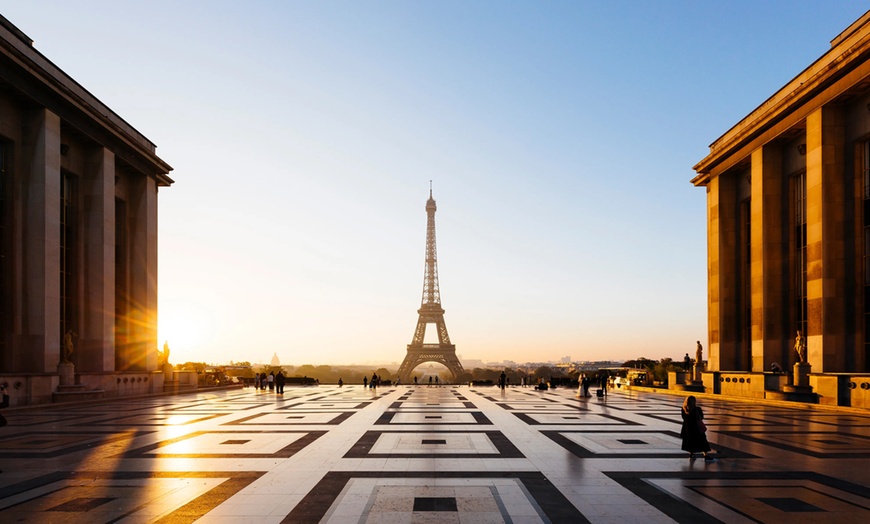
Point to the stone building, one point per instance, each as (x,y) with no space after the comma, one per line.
(788,234)
(78,235)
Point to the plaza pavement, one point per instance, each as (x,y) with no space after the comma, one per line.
(429,454)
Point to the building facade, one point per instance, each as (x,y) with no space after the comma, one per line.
(788,233)
(78,234)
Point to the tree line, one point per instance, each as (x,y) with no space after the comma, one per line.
(327,374)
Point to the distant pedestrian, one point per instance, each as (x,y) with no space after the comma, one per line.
(501,380)
(340,382)
(279,383)
(415,380)
(430,381)
(365,382)
(3,404)
(263,380)
(687,363)
(256,381)
(271,380)
(694,431)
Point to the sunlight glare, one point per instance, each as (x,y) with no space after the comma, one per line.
(188,327)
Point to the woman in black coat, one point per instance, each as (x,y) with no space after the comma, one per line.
(3,404)
(694,432)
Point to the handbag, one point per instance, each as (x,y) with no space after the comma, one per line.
(701,426)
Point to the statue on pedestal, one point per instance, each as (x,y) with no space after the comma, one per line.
(800,346)
(802,368)
(65,368)
(165,366)
(68,346)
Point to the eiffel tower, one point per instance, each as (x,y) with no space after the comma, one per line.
(430,312)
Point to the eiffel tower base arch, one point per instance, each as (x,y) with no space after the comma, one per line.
(417,355)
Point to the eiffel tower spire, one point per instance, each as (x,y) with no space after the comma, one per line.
(430,312)
(431,293)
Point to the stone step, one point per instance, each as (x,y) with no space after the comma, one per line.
(75,394)
(792,396)
(174,385)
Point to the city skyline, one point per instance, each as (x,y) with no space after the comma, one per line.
(560,139)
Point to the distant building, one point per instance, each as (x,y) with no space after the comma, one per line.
(470,363)
(788,225)
(275,362)
(78,234)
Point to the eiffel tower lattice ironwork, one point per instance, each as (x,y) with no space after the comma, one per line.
(430,312)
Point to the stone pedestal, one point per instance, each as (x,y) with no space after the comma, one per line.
(167,372)
(799,390)
(802,374)
(66,370)
(696,375)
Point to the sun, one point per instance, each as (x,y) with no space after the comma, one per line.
(188,327)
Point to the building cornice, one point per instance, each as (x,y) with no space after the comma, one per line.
(812,87)
(37,78)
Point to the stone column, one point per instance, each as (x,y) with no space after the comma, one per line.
(142,207)
(41,259)
(827,283)
(769,258)
(722,234)
(97,340)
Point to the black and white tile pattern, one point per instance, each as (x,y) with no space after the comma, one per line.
(429,454)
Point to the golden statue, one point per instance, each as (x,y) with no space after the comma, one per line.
(800,346)
(68,345)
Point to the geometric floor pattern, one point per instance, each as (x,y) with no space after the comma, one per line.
(430,455)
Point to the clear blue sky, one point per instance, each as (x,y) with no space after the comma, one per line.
(559,136)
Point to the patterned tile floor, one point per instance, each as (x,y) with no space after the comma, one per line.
(429,454)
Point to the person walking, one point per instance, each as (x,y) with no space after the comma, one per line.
(694,431)
(279,382)
(271,380)
(3,404)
